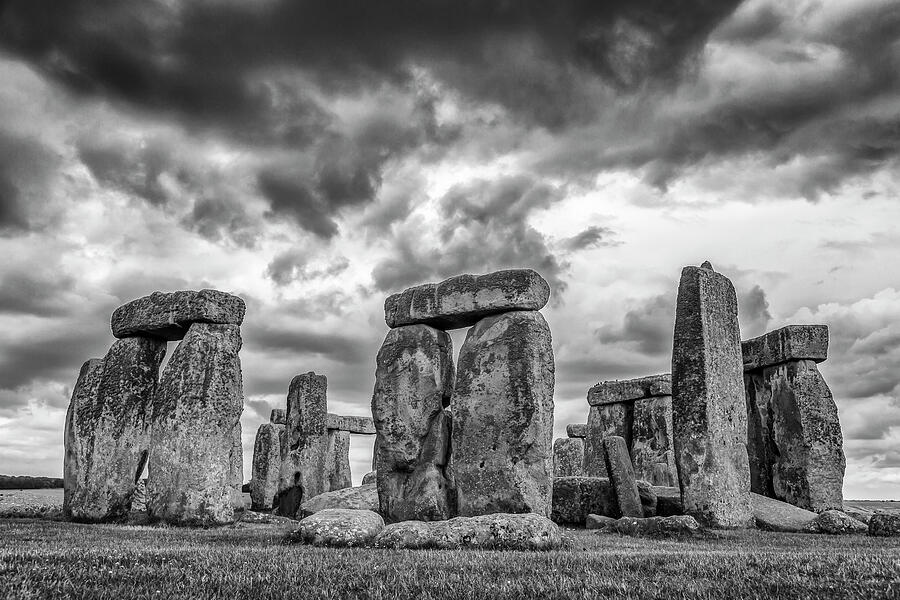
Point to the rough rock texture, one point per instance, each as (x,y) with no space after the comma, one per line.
(337,465)
(652,447)
(305,463)
(266,466)
(621,475)
(835,522)
(885,524)
(604,421)
(568,457)
(464,300)
(352,424)
(370,477)
(648,498)
(498,531)
(79,435)
(412,535)
(793,342)
(574,498)
(774,515)
(278,416)
(338,527)
(199,402)
(860,514)
(115,429)
(503,417)
(413,383)
(598,522)
(675,526)
(236,462)
(668,501)
(612,392)
(794,436)
(169,315)
(576,430)
(364,497)
(708,405)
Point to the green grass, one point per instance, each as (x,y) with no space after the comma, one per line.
(43,559)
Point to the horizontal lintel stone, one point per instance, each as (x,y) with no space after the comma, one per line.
(353,424)
(576,430)
(168,315)
(793,342)
(626,390)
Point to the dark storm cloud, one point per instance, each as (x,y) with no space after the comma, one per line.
(591,237)
(32,290)
(134,167)
(25,167)
(300,341)
(293,265)
(647,327)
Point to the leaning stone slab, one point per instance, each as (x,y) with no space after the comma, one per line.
(79,436)
(577,430)
(605,420)
(835,522)
(364,497)
(611,392)
(774,515)
(266,466)
(568,457)
(413,382)
(885,524)
(793,342)
(199,403)
(169,315)
(338,527)
(351,424)
(574,498)
(502,410)
(708,404)
(464,300)
(621,476)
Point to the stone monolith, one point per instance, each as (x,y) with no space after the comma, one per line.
(169,315)
(337,465)
(79,435)
(266,465)
(621,476)
(568,457)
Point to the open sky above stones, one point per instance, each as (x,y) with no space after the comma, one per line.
(315,156)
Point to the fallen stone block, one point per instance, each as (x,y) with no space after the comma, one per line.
(576,430)
(675,526)
(621,476)
(835,522)
(568,457)
(497,531)
(364,497)
(411,535)
(774,515)
(574,498)
(793,342)
(338,527)
(885,524)
(169,315)
(860,514)
(595,522)
(352,424)
(464,300)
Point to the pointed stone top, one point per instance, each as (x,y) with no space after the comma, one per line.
(707,265)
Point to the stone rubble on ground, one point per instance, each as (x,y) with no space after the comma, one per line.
(835,522)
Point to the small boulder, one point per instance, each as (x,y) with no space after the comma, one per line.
(674,526)
(885,524)
(499,531)
(598,522)
(406,534)
(364,497)
(338,527)
(774,515)
(835,522)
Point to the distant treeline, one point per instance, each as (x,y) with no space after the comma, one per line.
(26,482)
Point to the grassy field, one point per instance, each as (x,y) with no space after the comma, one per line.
(44,559)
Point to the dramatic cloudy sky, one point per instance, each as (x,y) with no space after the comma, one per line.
(315,156)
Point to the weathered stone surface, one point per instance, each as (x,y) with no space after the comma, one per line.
(337,466)
(412,535)
(503,417)
(370,477)
(568,457)
(604,421)
(648,498)
(576,430)
(199,402)
(674,526)
(79,435)
(860,514)
(621,476)
(498,531)
(266,466)
(139,499)
(626,390)
(305,462)
(236,462)
(364,497)
(885,524)
(835,522)
(115,430)
(793,342)
(338,527)
(774,515)
(352,424)
(708,405)
(794,436)
(413,383)
(598,522)
(169,315)
(464,300)
(277,416)
(652,447)
(668,501)
(576,497)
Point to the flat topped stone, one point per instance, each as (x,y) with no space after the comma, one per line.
(353,424)
(576,430)
(464,300)
(169,315)
(626,390)
(793,342)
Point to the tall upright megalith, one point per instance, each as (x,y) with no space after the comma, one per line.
(236,467)
(79,436)
(199,403)
(708,405)
(413,383)
(303,469)
(502,409)
(266,463)
(337,461)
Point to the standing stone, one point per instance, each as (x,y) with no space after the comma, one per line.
(199,403)
(266,465)
(652,448)
(304,466)
(337,468)
(603,421)
(78,437)
(503,417)
(709,409)
(621,476)
(413,382)
(568,457)
(236,461)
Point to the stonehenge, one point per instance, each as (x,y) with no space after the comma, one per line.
(267,454)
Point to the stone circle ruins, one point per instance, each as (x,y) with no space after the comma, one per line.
(739,434)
